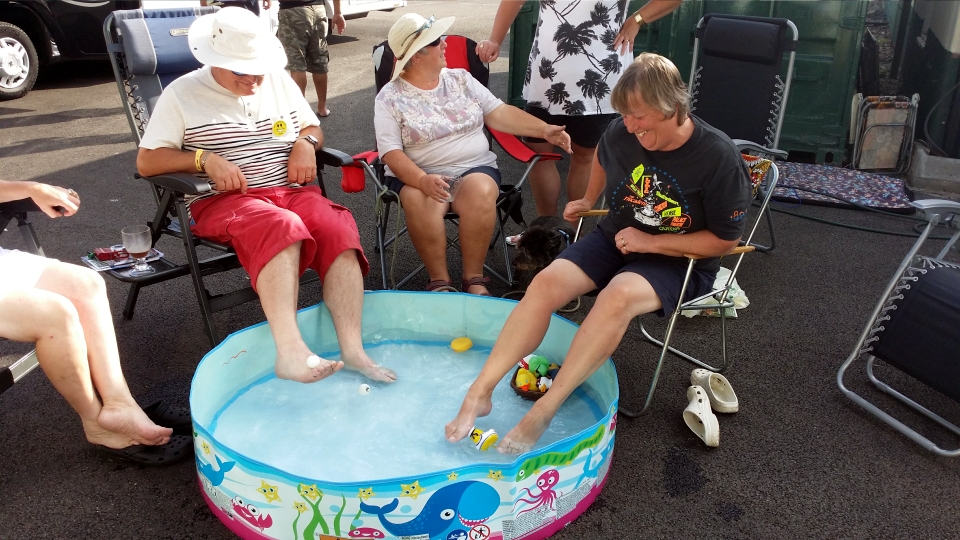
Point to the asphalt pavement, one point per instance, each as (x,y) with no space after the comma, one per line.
(798,461)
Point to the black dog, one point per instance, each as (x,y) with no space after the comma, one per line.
(539,245)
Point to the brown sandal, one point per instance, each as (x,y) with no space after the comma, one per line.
(440,285)
(480,280)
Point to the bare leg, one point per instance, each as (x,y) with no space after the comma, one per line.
(320,83)
(278,286)
(68,316)
(627,296)
(476,204)
(545,179)
(552,289)
(300,78)
(427,231)
(579,174)
(343,294)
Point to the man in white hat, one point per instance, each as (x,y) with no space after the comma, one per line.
(242,124)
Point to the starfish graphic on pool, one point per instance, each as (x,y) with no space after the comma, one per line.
(365,493)
(270,492)
(411,490)
(471,502)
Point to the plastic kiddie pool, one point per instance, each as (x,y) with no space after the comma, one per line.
(528,498)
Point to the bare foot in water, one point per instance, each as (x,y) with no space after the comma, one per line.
(524,435)
(123,426)
(473,407)
(369,369)
(293,365)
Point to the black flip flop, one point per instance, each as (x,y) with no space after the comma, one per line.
(178,448)
(166,415)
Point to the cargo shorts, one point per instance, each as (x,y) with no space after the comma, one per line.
(303,33)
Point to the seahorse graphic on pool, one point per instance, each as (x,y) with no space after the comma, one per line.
(471,502)
(534,464)
(215,475)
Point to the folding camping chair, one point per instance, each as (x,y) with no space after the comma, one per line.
(460,53)
(736,85)
(9,211)
(914,328)
(763,172)
(148,50)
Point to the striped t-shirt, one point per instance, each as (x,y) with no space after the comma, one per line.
(254,132)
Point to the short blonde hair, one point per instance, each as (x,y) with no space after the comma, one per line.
(656,81)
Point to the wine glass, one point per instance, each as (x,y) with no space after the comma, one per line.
(138,240)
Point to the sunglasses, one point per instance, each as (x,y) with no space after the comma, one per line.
(434,43)
(413,37)
(238,74)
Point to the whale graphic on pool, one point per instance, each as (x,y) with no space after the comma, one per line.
(470,502)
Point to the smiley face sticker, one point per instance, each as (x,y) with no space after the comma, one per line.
(279,128)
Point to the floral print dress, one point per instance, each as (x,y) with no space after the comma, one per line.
(573,65)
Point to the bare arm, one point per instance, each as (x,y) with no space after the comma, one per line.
(302,163)
(489,49)
(512,120)
(338,21)
(703,243)
(45,196)
(651,11)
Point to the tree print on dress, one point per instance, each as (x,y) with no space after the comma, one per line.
(574,39)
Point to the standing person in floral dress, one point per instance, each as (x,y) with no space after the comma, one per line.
(580,50)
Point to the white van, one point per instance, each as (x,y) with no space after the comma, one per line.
(351,9)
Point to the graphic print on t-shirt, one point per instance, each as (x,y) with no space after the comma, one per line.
(653,199)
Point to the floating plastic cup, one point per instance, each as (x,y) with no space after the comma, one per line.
(453,185)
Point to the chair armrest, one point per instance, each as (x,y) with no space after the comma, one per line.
(931,207)
(517,150)
(735,251)
(181,182)
(762,150)
(333,157)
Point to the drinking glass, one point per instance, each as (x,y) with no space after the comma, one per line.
(453,185)
(137,240)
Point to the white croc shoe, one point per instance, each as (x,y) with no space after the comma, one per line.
(700,418)
(721,394)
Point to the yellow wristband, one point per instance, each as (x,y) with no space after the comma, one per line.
(196,160)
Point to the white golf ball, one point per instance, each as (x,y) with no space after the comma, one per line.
(313,361)
(364,389)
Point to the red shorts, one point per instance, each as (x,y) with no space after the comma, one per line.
(262,222)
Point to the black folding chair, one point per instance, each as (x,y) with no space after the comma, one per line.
(914,328)
(148,50)
(737,84)
(19,211)
(460,53)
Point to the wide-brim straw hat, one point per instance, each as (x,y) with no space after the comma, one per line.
(236,39)
(405,30)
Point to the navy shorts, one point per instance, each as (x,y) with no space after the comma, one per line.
(584,129)
(601,261)
(394,184)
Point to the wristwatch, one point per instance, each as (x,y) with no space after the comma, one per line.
(638,19)
(312,140)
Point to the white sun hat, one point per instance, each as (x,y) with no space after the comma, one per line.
(411,33)
(235,39)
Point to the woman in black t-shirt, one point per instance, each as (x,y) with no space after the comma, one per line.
(674,185)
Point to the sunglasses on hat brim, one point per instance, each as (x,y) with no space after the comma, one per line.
(427,24)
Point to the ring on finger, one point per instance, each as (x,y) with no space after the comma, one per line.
(72,192)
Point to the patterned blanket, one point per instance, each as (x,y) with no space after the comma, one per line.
(834,186)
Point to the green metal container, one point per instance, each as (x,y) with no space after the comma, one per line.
(818,110)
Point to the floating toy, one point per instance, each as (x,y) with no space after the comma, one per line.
(525,380)
(364,389)
(483,440)
(461,344)
(313,361)
(539,365)
(544,384)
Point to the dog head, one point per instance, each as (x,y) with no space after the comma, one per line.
(539,246)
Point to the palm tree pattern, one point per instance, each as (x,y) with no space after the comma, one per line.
(573,65)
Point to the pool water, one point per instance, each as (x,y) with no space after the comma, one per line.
(329,430)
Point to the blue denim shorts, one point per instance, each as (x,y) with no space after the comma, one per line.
(601,261)
(394,184)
